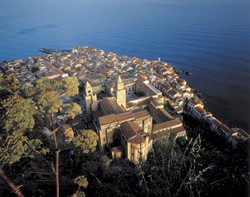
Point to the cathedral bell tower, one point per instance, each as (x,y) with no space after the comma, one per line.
(120,92)
(90,99)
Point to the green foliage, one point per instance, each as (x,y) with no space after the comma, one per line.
(9,83)
(49,94)
(140,92)
(16,146)
(81,181)
(13,148)
(86,141)
(79,194)
(45,84)
(71,86)
(174,168)
(19,113)
(29,90)
(73,109)
(50,101)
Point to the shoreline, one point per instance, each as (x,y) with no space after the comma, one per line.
(91,56)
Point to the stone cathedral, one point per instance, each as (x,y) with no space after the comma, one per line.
(128,128)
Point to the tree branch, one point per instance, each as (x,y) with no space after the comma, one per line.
(14,188)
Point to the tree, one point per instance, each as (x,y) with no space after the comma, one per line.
(18,113)
(9,83)
(71,86)
(49,102)
(73,109)
(140,92)
(12,149)
(11,184)
(81,181)
(86,141)
(29,90)
(17,116)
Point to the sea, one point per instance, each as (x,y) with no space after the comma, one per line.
(210,39)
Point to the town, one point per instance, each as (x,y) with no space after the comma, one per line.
(123,99)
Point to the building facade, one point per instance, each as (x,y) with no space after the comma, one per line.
(125,131)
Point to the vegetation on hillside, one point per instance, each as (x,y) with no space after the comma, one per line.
(35,164)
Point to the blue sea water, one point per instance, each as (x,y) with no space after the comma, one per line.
(208,38)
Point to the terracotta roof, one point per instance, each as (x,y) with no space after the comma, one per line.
(137,139)
(166,125)
(200,109)
(163,115)
(149,89)
(48,64)
(100,51)
(110,106)
(169,67)
(175,75)
(124,116)
(156,102)
(145,101)
(130,129)
(91,83)
(129,81)
(216,122)
(54,72)
(195,101)
(163,69)
(107,119)
(90,49)
(180,81)
(226,128)
(141,114)
(151,108)
(142,78)
(165,132)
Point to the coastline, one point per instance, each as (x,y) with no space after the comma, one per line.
(89,60)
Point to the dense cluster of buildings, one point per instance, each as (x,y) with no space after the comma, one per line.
(195,108)
(124,97)
(126,129)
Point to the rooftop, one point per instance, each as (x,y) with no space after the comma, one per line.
(131,131)
(165,132)
(166,125)
(107,119)
(110,106)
